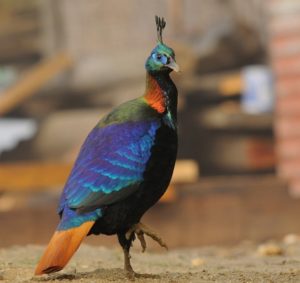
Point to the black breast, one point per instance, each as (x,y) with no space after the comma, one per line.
(122,215)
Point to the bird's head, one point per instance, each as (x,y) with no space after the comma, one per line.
(162,57)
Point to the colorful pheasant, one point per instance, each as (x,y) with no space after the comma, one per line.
(123,168)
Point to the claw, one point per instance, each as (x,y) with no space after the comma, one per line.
(142,240)
(140,229)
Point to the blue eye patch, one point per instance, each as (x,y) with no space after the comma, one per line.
(160,57)
(164,59)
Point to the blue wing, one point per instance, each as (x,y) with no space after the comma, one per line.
(110,165)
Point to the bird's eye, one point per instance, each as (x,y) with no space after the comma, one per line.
(161,57)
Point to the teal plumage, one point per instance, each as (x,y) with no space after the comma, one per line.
(110,165)
(123,168)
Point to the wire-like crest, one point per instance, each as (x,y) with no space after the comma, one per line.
(160,25)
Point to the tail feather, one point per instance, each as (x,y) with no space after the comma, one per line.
(61,247)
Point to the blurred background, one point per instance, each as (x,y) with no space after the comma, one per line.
(65,63)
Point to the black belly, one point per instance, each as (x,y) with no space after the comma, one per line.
(122,215)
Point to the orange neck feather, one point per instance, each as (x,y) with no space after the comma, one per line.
(154,94)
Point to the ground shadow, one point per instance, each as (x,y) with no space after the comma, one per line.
(111,274)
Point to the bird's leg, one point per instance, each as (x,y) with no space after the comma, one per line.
(127,265)
(126,244)
(140,229)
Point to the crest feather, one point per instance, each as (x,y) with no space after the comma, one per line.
(160,25)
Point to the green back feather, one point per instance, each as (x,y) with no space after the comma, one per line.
(132,111)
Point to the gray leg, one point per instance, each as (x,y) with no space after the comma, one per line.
(126,245)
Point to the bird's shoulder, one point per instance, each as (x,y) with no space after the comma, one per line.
(131,111)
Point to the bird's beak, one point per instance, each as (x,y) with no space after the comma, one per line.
(173,65)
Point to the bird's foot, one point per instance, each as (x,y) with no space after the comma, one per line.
(140,230)
(130,274)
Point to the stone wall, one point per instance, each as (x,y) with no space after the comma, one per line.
(284,45)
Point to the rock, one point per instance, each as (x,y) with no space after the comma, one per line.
(270,249)
(198,261)
(291,239)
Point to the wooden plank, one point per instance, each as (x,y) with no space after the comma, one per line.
(230,116)
(33,176)
(235,184)
(38,176)
(231,85)
(224,83)
(215,210)
(185,171)
(33,80)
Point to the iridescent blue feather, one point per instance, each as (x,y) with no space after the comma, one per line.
(110,166)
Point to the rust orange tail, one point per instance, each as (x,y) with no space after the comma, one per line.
(61,247)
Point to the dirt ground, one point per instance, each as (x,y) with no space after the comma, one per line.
(247,262)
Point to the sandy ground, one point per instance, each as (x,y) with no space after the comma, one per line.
(246,262)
